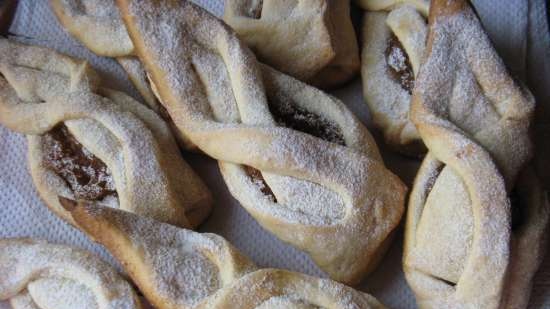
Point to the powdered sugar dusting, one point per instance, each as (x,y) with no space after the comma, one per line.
(61,294)
(397,59)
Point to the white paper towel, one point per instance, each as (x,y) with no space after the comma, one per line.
(23,214)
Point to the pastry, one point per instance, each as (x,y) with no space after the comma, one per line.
(305,203)
(38,275)
(94,143)
(96,24)
(296,158)
(178,268)
(312,40)
(393,45)
(474,233)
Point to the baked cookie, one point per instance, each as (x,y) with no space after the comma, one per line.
(393,45)
(38,275)
(311,40)
(296,158)
(94,143)
(474,232)
(178,268)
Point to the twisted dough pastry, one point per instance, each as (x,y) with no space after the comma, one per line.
(178,268)
(461,244)
(332,198)
(35,274)
(312,40)
(135,163)
(393,45)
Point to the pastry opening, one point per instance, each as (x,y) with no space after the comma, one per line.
(254,10)
(87,176)
(163,113)
(258,180)
(517,212)
(399,66)
(433,178)
(299,119)
(447,282)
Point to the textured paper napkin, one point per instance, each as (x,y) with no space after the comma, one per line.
(23,214)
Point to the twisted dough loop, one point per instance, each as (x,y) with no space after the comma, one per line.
(205,69)
(178,268)
(474,120)
(43,88)
(38,267)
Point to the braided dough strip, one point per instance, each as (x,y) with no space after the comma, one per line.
(312,40)
(474,120)
(423,6)
(54,293)
(150,177)
(178,268)
(280,289)
(33,273)
(211,86)
(95,23)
